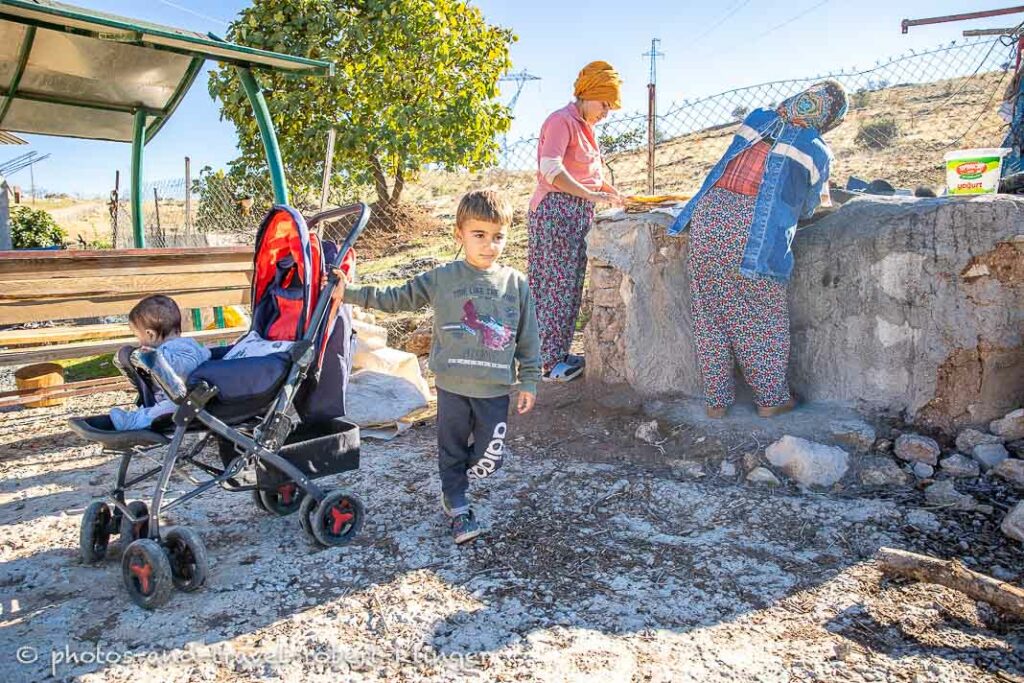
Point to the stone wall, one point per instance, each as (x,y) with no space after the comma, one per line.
(897,304)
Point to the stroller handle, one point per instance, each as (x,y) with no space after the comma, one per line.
(353,234)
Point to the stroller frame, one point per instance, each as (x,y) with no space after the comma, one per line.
(156,559)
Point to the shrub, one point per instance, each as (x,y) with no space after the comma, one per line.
(35,229)
(878,133)
(859,99)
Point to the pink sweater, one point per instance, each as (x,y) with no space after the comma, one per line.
(567,144)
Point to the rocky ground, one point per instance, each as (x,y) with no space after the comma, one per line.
(616,550)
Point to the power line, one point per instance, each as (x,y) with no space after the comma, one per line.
(722,20)
(194,13)
(789,21)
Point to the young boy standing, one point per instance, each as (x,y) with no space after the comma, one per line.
(485,339)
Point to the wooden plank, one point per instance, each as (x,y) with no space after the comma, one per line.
(13,312)
(72,393)
(105,285)
(35,354)
(35,392)
(40,336)
(44,265)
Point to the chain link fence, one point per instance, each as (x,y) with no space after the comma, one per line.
(905,113)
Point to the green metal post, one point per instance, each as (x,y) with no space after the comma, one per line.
(138,141)
(259,108)
(197,319)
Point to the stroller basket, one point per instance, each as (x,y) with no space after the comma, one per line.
(317,450)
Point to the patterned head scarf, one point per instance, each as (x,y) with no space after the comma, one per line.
(821,106)
(599,81)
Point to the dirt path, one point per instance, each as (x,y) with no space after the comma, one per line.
(604,571)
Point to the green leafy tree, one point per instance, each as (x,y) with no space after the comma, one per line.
(415,85)
(35,229)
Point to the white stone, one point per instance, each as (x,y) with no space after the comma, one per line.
(763,475)
(856,435)
(648,432)
(882,471)
(969,438)
(1013,523)
(959,465)
(1012,470)
(917,448)
(989,455)
(923,470)
(1010,427)
(807,462)
(727,469)
(944,493)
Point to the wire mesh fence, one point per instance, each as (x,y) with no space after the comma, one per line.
(905,112)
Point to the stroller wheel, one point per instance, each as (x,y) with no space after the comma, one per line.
(284,500)
(132,531)
(94,534)
(187,555)
(338,518)
(307,509)
(147,573)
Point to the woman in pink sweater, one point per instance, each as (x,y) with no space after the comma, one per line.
(570,182)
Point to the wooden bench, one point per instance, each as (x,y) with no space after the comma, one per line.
(67,286)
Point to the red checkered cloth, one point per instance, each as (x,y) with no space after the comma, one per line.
(744,173)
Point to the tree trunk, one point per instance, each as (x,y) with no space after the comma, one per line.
(380,182)
(952,574)
(396,191)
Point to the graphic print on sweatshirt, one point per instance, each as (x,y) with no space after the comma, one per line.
(488,330)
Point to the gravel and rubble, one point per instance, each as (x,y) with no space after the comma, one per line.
(597,564)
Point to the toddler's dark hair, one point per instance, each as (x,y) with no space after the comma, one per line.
(158,313)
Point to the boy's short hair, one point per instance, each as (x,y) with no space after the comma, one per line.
(158,313)
(490,206)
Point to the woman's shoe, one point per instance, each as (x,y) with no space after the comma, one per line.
(565,370)
(775,411)
(717,412)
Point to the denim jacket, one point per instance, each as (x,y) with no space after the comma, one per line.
(796,171)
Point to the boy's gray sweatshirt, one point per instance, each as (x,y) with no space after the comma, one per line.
(485,325)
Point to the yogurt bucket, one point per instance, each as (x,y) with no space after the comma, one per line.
(974,171)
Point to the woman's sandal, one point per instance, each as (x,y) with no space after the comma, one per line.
(717,412)
(775,411)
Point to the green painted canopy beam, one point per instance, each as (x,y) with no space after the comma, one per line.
(138,142)
(267,133)
(19,70)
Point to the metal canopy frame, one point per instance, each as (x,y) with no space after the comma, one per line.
(166,46)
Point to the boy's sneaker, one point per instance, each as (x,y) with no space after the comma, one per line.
(465,527)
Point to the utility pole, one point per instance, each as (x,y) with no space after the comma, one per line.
(520,79)
(652,110)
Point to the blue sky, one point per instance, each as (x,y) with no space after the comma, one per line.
(708,46)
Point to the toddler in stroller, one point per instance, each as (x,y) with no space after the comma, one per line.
(279,415)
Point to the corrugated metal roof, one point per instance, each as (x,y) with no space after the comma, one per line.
(10,139)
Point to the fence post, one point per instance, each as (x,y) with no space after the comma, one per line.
(328,169)
(115,206)
(650,137)
(156,208)
(188,195)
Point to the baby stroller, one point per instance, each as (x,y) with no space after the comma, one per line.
(277,418)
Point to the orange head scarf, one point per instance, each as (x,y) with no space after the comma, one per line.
(599,81)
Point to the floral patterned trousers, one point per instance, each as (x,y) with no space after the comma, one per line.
(557,267)
(735,317)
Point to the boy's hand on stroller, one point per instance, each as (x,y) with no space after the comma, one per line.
(339,291)
(526,401)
